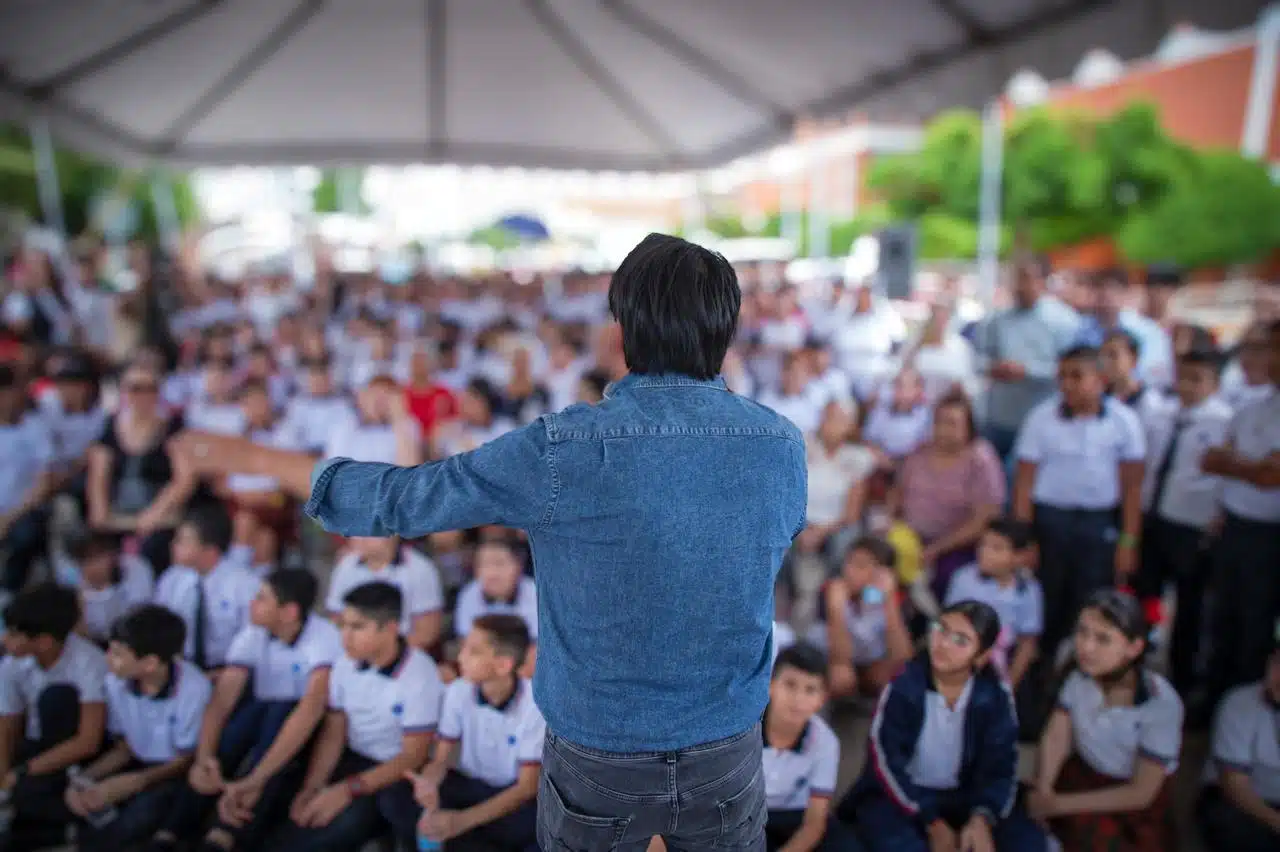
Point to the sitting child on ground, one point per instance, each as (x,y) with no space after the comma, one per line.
(110,581)
(389,560)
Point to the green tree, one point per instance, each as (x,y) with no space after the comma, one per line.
(944,175)
(327,197)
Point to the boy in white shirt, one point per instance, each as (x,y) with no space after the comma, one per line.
(389,560)
(110,581)
(500,587)
(482,783)
(284,656)
(208,585)
(155,701)
(52,710)
(384,703)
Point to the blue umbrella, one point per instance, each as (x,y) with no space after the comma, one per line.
(524,227)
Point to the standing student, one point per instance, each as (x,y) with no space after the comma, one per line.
(1246,582)
(481,786)
(389,560)
(52,710)
(801,758)
(1180,503)
(1079,482)
(1119,356)
(155,701)
(942,772)
(1112,745)
(275,684)
(1240,806)
(1000,580)
(208,586)
(865,634)
(384,703)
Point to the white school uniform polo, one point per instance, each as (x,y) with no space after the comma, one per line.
(866,624)
(247,483)
(1246,738)
(103,607)
(494,741)
(165,726)
(309,420)
(1020,604)
(472,603)
(1190,496)
(1111,739)
(382,705)
(26,451)
(898,433)
(412,573)
(1254,434)
(71,434)
(935,763)
(366,442)
(81,665)
(1078,459)
(281,670)
(228,590)
(793,776)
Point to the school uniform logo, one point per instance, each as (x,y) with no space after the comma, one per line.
(511,740)
(397,709)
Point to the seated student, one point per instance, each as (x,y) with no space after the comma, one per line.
(801,758)
(384,703)
(481,785)
(111,582)
(866,635)
(1240,807)
(1111,746)
(500,587)
(155,701)
(390,561)
(1000,580)
(284,657)
(942,772)
(52,710)
(209,588)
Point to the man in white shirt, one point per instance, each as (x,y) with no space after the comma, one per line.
(1180,501)
(384,705)
(1246,581)
(482,782)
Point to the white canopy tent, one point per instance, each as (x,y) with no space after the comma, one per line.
(590,84)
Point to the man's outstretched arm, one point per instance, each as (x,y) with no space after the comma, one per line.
(507,482)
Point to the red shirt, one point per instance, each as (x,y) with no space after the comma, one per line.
(431,405)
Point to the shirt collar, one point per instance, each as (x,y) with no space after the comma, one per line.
(306,622)
(1066,413)
(797,746)
(166,691)
(506,704)
(632,381)
(393,667)
(509,600)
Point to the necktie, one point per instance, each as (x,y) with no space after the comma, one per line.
(1166,463)
(198,629)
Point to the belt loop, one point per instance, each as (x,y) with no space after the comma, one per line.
(672,757)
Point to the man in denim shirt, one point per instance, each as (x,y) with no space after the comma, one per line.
(658,520)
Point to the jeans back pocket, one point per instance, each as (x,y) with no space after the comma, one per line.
(562,828)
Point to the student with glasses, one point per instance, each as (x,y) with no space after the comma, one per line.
(943,763)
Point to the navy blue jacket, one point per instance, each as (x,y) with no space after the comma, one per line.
(988,767)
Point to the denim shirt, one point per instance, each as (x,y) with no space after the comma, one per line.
(658,520)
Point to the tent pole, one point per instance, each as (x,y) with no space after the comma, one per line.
(989,203)
(47,176)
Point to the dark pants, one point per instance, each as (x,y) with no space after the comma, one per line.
(40,815)
(884,827)
(945,567)
(1077,557)
(1246,601)
(1226,827)
(245,739)
(25,542)
(365,819)
(707,796)
(136,821)
(1175,553)
(783,825)
(514,832)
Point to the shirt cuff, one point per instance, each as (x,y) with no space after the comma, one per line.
(321,474)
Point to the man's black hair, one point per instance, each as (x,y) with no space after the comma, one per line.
(881,551)
(212,526)
(8,377)
(1126,338)
(294,586)
(597,380)
(801,657)
(45,609)
(151,630)
(1082,352)
(1165,275)
(1204,355)
(508,633)
(93,543)
(678,307)
(379,601)
(1017,532)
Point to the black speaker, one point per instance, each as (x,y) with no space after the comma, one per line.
(897,272)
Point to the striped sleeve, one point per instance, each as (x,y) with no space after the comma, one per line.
(894,732)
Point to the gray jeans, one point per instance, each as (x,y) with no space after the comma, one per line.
(709,796)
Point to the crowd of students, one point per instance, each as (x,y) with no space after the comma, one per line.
(988,540)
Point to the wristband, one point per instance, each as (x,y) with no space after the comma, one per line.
(1128,541)
(356,787)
